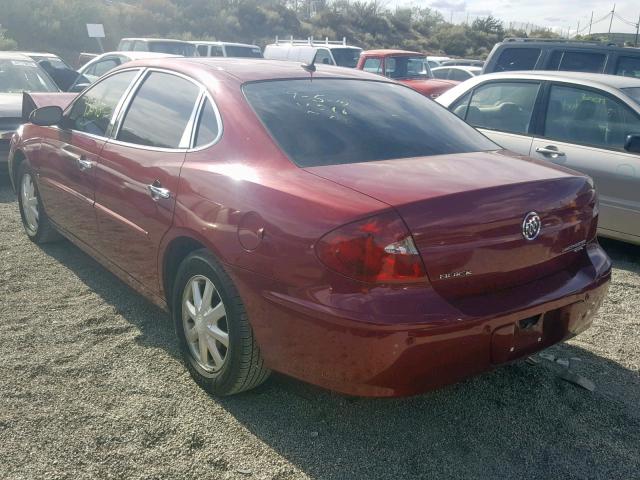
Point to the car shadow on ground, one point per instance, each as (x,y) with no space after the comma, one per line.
(6,193)
(625,256)
(519,421)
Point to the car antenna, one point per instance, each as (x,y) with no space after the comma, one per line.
(310,67)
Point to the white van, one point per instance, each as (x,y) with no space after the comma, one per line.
(306,51)
(227,49)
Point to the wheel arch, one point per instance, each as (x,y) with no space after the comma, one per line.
(176,249)
(14,166)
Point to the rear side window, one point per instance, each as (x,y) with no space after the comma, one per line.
(459,75)
(577,61)
(139,46)
(216,51)
(628,67)
(208,126)
(125,45)
(100,68)
(328,122)
(517,59)
(160,111)
(503,106)
(203,50)
(92,111)
(444,73)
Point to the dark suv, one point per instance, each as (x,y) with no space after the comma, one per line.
(572,56)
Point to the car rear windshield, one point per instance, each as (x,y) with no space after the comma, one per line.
(336,121)
(17,76)
(238,51)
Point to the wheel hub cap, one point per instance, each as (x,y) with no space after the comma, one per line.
(204,319)
(29,203)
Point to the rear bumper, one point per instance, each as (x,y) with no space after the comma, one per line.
(407,355)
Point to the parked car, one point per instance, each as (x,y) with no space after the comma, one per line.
(435,61)
(106,62)
(462,62)
(564,55)
(158,45)
(410,68)
(334,226)
(459,74)
(308,51)
(587,122)
(52,58)
(18,73)
(227,49)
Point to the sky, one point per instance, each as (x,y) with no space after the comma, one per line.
(556,14)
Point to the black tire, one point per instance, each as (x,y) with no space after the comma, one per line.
(243,367)
(45,232)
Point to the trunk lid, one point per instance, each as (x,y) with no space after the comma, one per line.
(466,215)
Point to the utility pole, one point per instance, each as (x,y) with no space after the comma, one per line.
(590,22)
(577,29)
(611,22)
(637,31)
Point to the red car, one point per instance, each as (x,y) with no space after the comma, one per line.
(409,68)
(333,226)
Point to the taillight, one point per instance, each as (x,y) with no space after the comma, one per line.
(379,249)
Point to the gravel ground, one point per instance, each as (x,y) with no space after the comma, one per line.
(91,386)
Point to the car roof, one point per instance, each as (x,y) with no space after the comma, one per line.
(391,51)
(213,42)
(468,68)
(151,39)
(134,55)
(15,56)
(39,54)
(595,79)
(570,44)
(255,69)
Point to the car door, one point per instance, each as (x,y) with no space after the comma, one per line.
(71,152)
(502,110)
(139,172)
(585,129)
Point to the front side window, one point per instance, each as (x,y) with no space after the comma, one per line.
(17,76)
(372,65)
(404,67)
(173,48)
(517,59)
(338,121)
(459,75)
(577,61)
(586,117)
(92,112)
(203,50)
(125,45)
(160,111)
(100,68)
(140,46)
(323,56)
(503,106)
(628,67)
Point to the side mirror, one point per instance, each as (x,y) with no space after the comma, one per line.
(46,116)
(632,143)
(78,87)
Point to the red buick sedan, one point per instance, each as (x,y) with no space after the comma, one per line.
(334,226)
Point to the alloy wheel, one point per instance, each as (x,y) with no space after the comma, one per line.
(30,204)
(204,318)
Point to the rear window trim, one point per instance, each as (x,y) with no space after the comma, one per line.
(383,79)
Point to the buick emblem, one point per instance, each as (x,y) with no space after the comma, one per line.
(531,226)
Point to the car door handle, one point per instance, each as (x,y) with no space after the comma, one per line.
(550,151)
(83,163)
(157,191)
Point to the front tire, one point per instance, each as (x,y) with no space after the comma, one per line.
(213,330)
(34,219)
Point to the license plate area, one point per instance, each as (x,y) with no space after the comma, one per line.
(526,336)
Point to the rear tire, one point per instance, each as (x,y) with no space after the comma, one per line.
(213,329)
(34,218)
